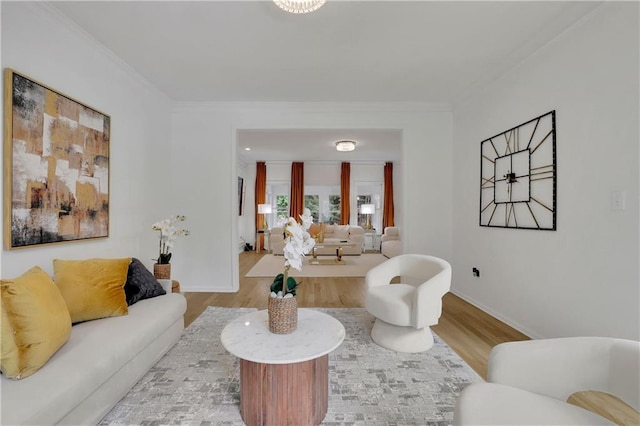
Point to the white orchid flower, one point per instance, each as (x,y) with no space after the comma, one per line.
(307,219)
(298,241)
(293,255)
(169,232)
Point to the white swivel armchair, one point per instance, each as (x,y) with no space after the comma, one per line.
(404,311)
(529,381)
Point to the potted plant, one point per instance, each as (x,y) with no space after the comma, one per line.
(169,232)
(282,304)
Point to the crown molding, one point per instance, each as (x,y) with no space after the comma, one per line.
(314,107)
(48,11)
(525,52)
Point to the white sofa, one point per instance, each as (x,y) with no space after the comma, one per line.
(391,245)
(529,381)
(96,367)
(333,234)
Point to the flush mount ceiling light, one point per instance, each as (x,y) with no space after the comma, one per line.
(299,6)
(345,145)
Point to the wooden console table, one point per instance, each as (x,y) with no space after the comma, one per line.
(284,378)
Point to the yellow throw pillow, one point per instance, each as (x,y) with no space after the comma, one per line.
(35,323)
(92,288)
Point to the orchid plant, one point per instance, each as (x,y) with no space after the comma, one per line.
(169,232)
(298,242)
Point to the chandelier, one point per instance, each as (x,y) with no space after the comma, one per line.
(299,6)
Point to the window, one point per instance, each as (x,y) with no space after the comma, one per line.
(369,193)
(334,209)
(323,202)
(282,207)
(278,197)
(312,202)
(362,218)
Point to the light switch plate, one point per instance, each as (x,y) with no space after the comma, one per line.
(618,200)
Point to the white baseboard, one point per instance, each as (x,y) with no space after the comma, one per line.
(521,328)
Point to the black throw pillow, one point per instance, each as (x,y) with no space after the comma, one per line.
(141,284)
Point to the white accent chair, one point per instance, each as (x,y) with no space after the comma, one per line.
(529,381)
(390,244)
(404,311)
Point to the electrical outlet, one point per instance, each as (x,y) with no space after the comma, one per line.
(476,272)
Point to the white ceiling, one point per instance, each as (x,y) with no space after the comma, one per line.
(319,145)
(347,51)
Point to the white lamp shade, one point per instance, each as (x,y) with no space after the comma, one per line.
(368,208)
(264,208)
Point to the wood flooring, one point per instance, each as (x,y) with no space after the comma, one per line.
(469,331)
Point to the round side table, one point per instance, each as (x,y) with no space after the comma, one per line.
(284,378)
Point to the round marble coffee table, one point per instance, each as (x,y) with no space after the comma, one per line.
(284,378)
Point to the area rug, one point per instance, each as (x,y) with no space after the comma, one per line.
(197,381)
(355,266)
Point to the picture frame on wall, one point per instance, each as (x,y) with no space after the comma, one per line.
(240,195)
(56,166)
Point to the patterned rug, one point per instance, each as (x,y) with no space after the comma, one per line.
(197,381)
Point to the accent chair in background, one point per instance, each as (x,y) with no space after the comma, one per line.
(390,244)
(404,311)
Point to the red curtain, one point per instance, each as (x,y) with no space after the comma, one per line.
(296,201)
(260,197)
(387,213)
(345,184)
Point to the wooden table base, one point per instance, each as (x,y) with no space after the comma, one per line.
(284,394)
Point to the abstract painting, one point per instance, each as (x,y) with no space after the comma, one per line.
(56,165)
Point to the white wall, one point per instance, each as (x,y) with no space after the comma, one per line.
(37,42)
(322,174)
(582,279)
(245,220)
(204,166)
(279,172)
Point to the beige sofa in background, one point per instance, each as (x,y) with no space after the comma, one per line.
(333,234)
